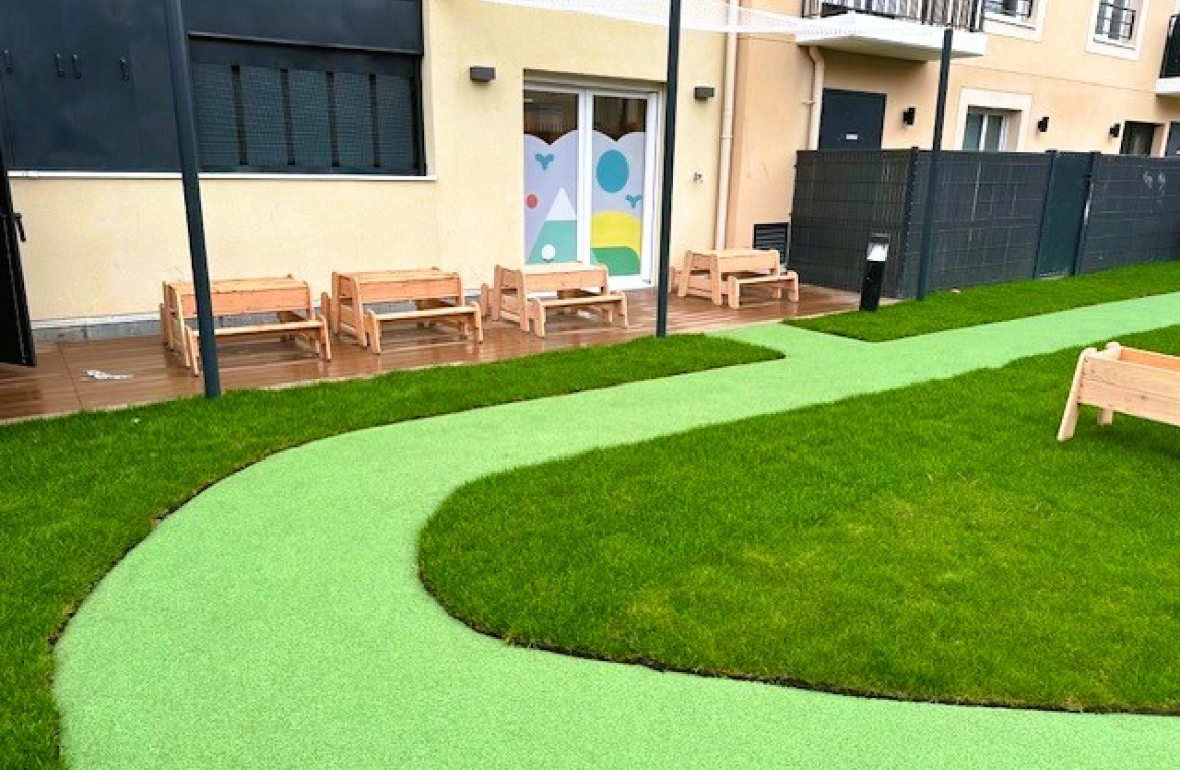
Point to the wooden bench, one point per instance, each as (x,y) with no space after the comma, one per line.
(1135,382)
(436,295)
(288,299)
(518,294)
(724,273)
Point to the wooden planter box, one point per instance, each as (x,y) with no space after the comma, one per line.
(1126,380)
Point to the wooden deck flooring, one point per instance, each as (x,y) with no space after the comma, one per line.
(60,383)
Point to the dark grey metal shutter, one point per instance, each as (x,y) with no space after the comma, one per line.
(774,235)
(295,109)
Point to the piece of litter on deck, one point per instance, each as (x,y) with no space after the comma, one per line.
(96,374)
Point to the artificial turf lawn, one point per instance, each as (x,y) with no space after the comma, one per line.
(77,492)
(277,619)
(932,543)
(1002,302)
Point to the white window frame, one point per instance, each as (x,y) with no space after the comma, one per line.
(989,115)
(586,91)
(1104,46)
(1017,107)
(1008,26)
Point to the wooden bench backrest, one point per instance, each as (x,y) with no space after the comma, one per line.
(578,278)
(259,300)
(434,288)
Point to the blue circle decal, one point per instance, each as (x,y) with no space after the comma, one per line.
(613,171)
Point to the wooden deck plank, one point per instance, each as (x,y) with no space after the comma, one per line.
(59,385)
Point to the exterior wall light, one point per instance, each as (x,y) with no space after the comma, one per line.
(875,259)
(909,115)
(1115,130)
(1043,124)
(482,74)
(703,93)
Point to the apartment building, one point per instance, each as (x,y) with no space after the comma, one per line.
(1027,76)
(370,134)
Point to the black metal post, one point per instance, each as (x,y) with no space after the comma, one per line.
(944,72)
(669,167)
(186,132)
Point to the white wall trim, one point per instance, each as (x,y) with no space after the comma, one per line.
(1129,51)
(997,100)
(1007,26)
(218,176)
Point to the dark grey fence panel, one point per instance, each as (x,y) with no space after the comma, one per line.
(987,221)
(1134,213)
(842,197)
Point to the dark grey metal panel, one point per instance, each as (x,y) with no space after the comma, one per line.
(851,120)
(388,24)
(98,91)
(16,335)
(1065,210)
(33,45)
(86,84)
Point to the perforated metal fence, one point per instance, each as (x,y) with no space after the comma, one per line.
(987,219)
(1134,213)
(990,216)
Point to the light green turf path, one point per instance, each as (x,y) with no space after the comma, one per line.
(277,621)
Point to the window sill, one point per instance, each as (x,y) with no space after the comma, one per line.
(1011,21)
(1113,48)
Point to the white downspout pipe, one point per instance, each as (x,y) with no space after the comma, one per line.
(721,220)
(817,95)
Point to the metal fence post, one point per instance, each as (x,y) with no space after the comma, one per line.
(907,218)
(1078,261)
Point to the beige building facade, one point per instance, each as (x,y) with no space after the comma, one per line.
(100,244)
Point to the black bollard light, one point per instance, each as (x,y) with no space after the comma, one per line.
(878,255)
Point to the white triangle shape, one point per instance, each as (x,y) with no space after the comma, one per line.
(561,210)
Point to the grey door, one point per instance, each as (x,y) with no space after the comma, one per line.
(1065,211)
(16,338)
(851,120)
(1173,148)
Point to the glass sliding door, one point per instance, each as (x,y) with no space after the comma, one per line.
(620,150)
(588,186)
(552,153)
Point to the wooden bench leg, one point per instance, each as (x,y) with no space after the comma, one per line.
(623,311)
(193,351)
(735,289)
(325,340)
(478,321)
(372,330)
(792,286)
(537,311)
(1069,420)
(326,311)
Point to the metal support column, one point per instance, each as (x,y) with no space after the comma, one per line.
(944,72)
(186,131)
(673,83)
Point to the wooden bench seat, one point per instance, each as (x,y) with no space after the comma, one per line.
(436,296)
(287,298)
(605,304)
(788,279)
(521,294)
(469,318)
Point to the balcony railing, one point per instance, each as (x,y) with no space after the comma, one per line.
(960,14)
(1116,21)
(1171,67)
(1016,9)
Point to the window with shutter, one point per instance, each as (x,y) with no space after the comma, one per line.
(268,108)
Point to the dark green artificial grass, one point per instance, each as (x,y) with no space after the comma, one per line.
(77,492)
(1002,302)
(931,543)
